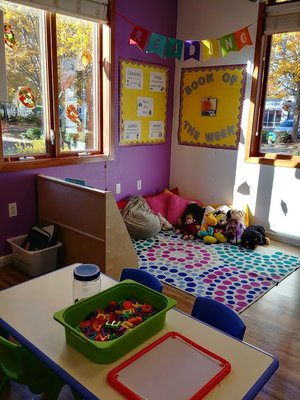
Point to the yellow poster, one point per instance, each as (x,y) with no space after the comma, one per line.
(143,103)
(211,102)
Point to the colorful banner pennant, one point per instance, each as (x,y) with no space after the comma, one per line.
(228,44)
(191,50)
(210,48)
(174,48)
(157,44)
(139,37)
(187,49)
(243,38)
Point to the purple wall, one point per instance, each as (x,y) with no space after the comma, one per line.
(148,163)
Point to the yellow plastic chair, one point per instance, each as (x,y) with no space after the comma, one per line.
(20,365)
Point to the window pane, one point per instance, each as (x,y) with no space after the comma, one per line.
(281,131)
(77,83)
(22,118)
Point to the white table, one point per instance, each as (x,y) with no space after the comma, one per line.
(26,311)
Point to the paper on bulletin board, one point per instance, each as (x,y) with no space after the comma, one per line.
(143,102)
(211,103)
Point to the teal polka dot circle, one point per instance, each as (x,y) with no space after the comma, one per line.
(228,273)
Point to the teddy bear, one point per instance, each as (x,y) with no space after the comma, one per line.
(235,226)
(254,235)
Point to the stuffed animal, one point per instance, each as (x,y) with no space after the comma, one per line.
(206,231)
(220,228)
(189,229)
(195,210)
(165,224)
(190,221)
(254,235)
(235,226)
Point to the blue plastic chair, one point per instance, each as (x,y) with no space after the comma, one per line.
(219,316)
(143,277)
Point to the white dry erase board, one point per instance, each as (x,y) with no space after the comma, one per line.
(171,368)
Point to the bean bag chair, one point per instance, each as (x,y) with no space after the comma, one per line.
(140,221)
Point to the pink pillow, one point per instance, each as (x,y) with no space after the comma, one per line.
(177,206)
(159,203)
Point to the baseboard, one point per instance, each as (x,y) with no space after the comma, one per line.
(284,238)
(4,260)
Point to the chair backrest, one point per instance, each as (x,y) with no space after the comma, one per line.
(143,277)
(218,315)
(21,366)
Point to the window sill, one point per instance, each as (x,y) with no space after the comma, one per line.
(275,160)
(51,162)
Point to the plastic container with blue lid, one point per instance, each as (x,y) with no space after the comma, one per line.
(86,281)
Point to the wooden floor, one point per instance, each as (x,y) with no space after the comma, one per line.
(273,324)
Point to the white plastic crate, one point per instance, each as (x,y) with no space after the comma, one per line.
(34,263)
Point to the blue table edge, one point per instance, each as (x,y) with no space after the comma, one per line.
(255,389)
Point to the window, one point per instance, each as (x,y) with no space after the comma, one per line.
(56,95)
(275,97)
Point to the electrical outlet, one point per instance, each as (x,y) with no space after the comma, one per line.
(12,209)
(118,188)
(139,185)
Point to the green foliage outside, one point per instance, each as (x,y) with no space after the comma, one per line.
(35,147)
(284,73)
(24,68)
(281,137)
(33,134)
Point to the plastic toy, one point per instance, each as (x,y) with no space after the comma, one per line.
(115,320)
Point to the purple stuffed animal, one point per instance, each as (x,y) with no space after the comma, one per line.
(235,226)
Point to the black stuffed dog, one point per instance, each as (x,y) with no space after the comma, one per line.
(253,236)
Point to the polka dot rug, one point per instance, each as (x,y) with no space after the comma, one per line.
(228,273)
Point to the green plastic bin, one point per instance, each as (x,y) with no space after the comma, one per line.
(110,351)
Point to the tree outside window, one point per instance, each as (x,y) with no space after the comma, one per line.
(276,85)
(53,74)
